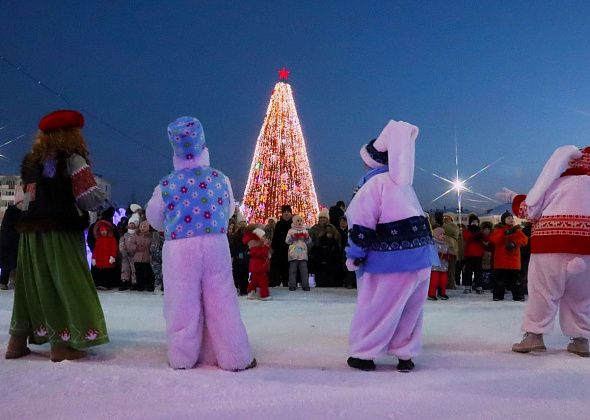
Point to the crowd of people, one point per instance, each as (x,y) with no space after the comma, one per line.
(480,256)
(401,257)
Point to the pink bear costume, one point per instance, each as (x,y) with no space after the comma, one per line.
(391,246)
(559,269)
(192,205)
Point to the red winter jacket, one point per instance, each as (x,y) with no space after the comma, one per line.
(106,246)
(259,259)
(473,243)
(505,258)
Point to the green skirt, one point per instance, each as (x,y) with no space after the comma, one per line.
(55,299)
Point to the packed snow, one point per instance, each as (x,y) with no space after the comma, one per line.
(466,369)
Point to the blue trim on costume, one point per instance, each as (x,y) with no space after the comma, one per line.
(399,261)
(403,245)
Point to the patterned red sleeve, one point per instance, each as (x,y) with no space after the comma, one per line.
(87,193)
(83,182)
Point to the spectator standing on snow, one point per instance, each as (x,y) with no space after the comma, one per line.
(298,239)
(279,263)
(507,240)
(9,237)
(474,248)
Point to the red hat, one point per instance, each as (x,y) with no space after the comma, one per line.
(61,119)
(249,236)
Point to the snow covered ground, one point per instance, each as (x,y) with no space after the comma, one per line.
(466,369)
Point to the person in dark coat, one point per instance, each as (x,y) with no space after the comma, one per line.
(9,241)
(279,262)
(348,278)
(336,212)
(328,258)
(240,260)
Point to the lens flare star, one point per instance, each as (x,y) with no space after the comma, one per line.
(459,186)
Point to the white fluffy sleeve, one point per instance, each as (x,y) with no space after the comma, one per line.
(155,210)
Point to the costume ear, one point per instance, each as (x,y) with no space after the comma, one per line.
(401,137)
(555,166)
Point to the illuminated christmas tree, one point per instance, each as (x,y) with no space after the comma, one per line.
(280,172)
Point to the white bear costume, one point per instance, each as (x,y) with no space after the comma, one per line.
(192,205)
(391,246)
(559,268)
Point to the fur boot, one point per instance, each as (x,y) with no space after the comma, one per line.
(17,347)
(59,354)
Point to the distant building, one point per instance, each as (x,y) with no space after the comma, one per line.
(9,184)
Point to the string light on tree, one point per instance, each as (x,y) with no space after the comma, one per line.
(280,172)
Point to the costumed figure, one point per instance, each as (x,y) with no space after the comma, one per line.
(259,265)
(391,247)
(558,205)
(55,299)
(192,205)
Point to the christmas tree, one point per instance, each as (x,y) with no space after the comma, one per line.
(280,172)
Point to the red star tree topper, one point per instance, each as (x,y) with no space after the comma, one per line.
(283,74)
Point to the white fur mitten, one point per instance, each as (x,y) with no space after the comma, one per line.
(350,265)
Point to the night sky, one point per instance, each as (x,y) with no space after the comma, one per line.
(506,80)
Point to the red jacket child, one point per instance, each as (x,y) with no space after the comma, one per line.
(259,262)
(105,250)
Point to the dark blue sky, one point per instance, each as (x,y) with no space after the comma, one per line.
(508,79)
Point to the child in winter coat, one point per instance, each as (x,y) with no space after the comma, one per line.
(156,260)
(104,256)
(259,262)
(140,245)
(439,275)
(298,240)
(128,278)
(507,240)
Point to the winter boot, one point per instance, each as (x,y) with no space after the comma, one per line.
(478,290)
(530,342)
(61,353)
(17,347)
(432,298)
(252,295)
(405,365)
(579,346)
(361,364)
(443,297)
(467,290)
